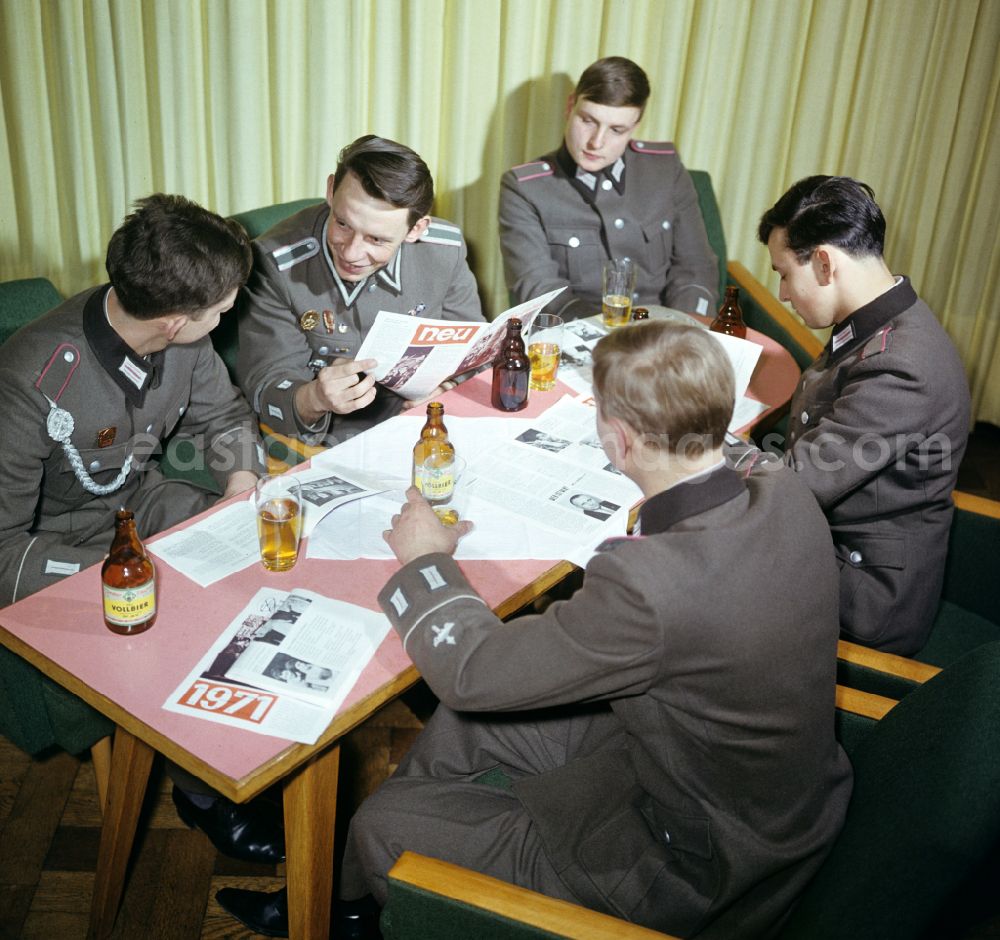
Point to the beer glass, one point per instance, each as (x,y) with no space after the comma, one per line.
(617,285)
(279,521)
(544,347)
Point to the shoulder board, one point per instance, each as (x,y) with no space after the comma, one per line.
(58,371)
(532,171)
(288,255)
(879,343)
(653,147)
(439,232)
(608,544)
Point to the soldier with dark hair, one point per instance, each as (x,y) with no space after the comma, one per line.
(321,277)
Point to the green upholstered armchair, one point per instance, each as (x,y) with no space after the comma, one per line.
(36,713)
(923,821)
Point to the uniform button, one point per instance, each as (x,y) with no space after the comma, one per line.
(94,465)
(149,429)
(619,223)
(804,417)
(545,166)
(855,557)
(665,224)
(323,350)
(341,327)
(606,185)
(638,144)
(69,355)
(181,410)
(574,242)
(371,287)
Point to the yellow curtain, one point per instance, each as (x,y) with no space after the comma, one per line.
(243,103)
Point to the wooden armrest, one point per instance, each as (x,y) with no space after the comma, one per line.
(977,504)
(774,308)
(889,663)
(506,900)
(296,451)
(866,704)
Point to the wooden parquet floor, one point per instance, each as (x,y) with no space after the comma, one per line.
(50,828)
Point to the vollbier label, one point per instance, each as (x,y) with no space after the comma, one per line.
(126,606)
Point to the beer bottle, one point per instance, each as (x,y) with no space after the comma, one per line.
(434,457)
(511,371)
(730,318)
(128,580)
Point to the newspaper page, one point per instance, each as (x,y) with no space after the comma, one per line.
(581,336)
(415,354)
(283,666)
(226,541)
(556,474)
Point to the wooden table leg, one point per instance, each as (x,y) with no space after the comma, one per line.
(131,760)
(310,800)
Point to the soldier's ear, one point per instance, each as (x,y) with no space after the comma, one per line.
(419,227)
(824,262)
(171,324)
(329,190)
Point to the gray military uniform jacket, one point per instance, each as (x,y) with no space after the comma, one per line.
(722,791)
(124,409)
(298,316)
(555,231)
(879,423)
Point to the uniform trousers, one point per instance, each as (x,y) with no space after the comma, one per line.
(433,805)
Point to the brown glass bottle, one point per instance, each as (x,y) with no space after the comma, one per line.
(640,313)
(730,318)
(128,580)
(511,371)
(433,446)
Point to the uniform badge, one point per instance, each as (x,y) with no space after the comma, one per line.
(106,437)
(308,320)
(417,310)
(328,320)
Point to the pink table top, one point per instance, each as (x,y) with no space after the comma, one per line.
(64,622)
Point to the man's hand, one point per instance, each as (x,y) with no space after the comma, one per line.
(446,386)
(239,482)
(417,531)
(340,388)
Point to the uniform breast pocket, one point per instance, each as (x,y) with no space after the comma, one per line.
(659,238)
(101,464)
(579,254)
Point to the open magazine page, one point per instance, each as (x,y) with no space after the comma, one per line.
(227,542)
(415,354)
(311,647)
(581,336)
(266,629)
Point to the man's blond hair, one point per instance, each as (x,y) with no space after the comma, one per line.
(672,384)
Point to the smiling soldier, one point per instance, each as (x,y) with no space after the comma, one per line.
(320,278)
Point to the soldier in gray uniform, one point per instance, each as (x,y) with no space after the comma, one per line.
(661,769)
(95,389)
(321,277)
(880,420)
(603,195)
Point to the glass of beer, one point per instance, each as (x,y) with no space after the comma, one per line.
(617,285)
(544,347)
(278,502)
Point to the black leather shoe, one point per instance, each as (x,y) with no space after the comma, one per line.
(252,832)
(262,912)
(267,913)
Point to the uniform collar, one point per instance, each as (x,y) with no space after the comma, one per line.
(869,319)
(132,373)
(690,497)
(588,183)
(390,273)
